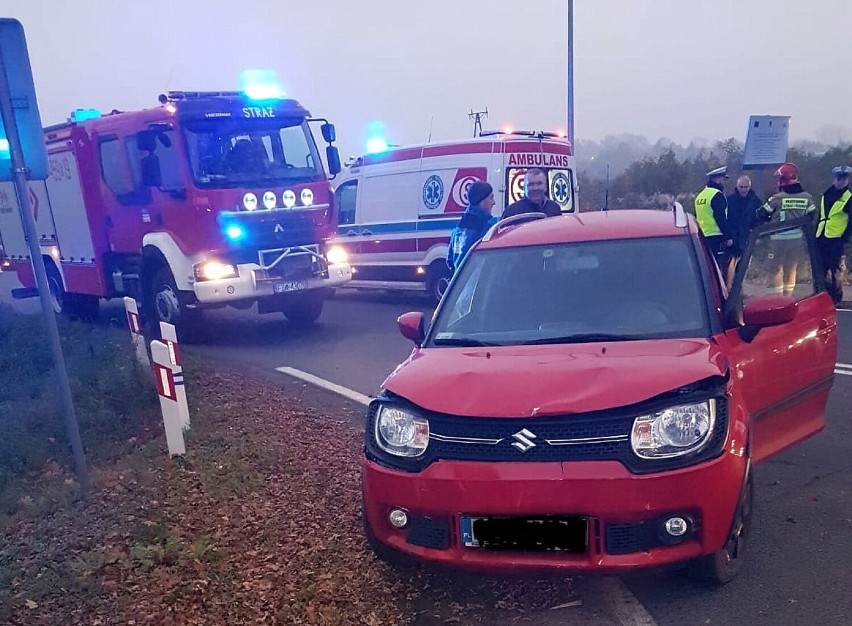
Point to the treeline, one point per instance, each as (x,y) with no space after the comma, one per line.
(652,181)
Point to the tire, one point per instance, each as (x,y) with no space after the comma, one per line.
(58,295)
(74,306)
(438,278)
(304,309)
(722,567)
(164,303)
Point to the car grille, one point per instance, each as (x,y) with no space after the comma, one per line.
(599,436)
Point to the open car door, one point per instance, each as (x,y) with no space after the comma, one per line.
(785,369)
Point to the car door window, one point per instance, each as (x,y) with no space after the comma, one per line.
(780,263)
(346,197)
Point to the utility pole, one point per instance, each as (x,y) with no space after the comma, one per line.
(20,171)
(477,117)
(570,129)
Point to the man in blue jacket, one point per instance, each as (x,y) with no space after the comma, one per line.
(474,223)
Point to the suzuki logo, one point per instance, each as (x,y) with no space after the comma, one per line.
(523,440)
(278,228)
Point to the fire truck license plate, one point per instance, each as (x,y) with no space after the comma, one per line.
(290,285)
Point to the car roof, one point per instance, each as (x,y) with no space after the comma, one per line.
(590,226)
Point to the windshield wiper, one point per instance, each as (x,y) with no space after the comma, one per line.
(583,338)
(463,341)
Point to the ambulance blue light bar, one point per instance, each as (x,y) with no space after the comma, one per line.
(377,145)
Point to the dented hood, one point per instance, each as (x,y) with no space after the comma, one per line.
(520,381)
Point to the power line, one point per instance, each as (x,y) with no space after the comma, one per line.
(477,117)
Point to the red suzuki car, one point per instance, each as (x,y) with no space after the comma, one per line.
(589,397)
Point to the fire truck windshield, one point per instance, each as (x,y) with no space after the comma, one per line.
(229,153)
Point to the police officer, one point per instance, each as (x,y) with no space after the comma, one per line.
(833,229)
(711,211)
(791,202)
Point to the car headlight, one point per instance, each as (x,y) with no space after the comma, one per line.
(674,431)
(336,255)
(214,270)
(401,433)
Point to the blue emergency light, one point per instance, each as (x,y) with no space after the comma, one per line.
(81,115)
(376,145)
(234,232)
(261,85)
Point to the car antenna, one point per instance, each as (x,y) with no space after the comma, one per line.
(606,190)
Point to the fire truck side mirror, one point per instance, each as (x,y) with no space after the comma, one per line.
(332,156)
(151,174)
(146,141)
(328,132)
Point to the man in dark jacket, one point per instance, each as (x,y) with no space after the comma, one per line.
(742,216)
(535,198)
(474,223)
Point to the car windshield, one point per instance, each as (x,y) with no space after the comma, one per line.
(227,153)
(621,290)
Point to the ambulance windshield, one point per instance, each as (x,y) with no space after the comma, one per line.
(230,153)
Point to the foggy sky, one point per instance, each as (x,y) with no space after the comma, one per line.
(661,68)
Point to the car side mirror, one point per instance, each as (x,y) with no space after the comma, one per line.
(412,326)
(332,155)
(769,310)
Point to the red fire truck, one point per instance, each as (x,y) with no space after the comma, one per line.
(210,199)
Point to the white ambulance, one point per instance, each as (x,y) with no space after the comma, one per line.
(396,208)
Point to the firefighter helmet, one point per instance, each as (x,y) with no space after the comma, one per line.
(787,174)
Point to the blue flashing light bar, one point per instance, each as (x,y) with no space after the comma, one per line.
(4,145)
(377,145)
(81,115)
(261,85)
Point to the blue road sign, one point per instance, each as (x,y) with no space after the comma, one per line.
(16,62)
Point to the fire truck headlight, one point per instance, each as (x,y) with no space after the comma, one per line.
(336,255)
(250,201)
(269,200)
(288,198)
(307,197)
(214,270)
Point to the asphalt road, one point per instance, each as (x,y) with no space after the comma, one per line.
(798,569)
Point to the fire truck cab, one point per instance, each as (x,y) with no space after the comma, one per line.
(397,207)
(210,199)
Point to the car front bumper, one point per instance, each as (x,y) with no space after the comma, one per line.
(624,511)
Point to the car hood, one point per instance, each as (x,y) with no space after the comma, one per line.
(523,381)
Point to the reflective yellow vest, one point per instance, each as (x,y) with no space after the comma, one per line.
(834,222)
(704,212)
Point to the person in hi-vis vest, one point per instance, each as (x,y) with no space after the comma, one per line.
(711,212)
(790,203)
(833,230)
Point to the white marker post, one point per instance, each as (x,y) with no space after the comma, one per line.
(169,335)
(166,388)
(136,335)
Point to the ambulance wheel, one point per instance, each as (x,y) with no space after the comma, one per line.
(437,280)
(164,303)
(305,309)
(722,566)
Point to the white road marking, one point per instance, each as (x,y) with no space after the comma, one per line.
(843,368)
(619,602)
(325,384)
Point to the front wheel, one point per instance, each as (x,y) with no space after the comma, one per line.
(164,303)
(305,309)
(722,566)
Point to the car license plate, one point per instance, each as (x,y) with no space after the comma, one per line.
(291,285)
(526,534)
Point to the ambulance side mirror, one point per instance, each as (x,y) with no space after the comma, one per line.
(332,156)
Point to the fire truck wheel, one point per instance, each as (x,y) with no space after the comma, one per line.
(165,304)
(437,279)
(58,296)
(305,309)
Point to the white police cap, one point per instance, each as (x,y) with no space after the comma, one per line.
(841,170)
(719,171)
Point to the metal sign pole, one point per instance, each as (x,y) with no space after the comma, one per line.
(19,170)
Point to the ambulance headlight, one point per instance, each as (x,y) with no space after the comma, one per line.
(269,200)
(288,198)
(307,197)
(250,201)
(214,270)
(674,431)
(400,432)
(336,255)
